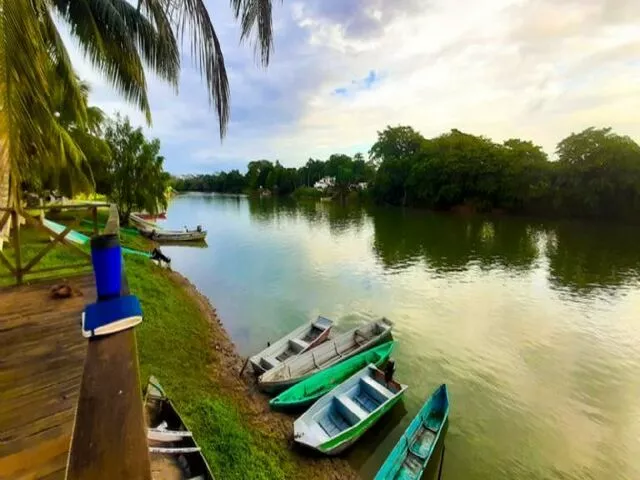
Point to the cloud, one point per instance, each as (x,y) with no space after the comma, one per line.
(342,70)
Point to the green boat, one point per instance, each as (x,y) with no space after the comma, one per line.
(410,456)
(308,391)
(339,418)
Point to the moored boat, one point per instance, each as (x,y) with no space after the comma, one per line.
(338,419)
(298,341)
(173,450)
(306,392)
(160,235)
(410,456)
(333,351)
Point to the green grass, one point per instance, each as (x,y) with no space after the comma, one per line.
(175,345)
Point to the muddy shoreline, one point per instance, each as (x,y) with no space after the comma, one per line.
(253,405)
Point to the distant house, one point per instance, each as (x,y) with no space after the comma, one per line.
(324,183)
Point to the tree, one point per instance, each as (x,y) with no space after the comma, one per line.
(137,178)
(120,39)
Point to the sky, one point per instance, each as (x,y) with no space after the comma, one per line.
(342,70)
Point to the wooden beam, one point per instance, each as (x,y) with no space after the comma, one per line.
(5,261)
(16,245)
(45,250)
(109,435)
(4,219)
(94,216)
(64,241)
(74,206)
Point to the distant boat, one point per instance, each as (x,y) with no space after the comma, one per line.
(410,456)
(155,232)
(324,356)
(298,341)
(338,420)
(160,235)
(152,216)
(172,447)
(308,391)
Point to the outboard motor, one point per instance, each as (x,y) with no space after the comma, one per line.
(389,370)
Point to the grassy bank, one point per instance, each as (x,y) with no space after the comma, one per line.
(183,344)
(175,344)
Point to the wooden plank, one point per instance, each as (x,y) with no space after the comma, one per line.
(45,250)
(94,217)
(64,241)
(109,435)
(6,263)
(16,245)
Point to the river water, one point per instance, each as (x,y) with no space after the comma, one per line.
(534,326)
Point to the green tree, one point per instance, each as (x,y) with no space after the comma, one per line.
(120,40)
(137,178)
(394,152)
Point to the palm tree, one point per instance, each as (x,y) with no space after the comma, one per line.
(120,40)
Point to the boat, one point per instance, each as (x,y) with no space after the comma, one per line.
(160,235)
(299,341)
(303,394)
(338,419)
(410,456)
(154,232)
(173,450)
(323,356)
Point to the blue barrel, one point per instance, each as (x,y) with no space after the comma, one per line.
(106,256)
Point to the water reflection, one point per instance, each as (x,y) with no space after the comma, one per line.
(450,243)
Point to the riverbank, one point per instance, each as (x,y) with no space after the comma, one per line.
(184,344)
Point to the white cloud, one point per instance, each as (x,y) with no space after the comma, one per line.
(537,69)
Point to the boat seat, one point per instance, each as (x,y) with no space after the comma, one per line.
(270,362)
(298,345)
(375,390)
(349,409)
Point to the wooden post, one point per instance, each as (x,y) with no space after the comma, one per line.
(94,216)
(16,245)
(109,435)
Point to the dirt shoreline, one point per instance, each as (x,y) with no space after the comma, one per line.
(254,405)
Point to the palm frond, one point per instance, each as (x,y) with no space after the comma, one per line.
(256,21)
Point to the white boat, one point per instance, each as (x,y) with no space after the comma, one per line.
(299,341)
(154,232)
(323,356)
(338,419)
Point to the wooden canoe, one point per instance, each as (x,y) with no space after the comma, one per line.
(333,351)
(410,456)
(340,418)
(173,450)
(303,394)
(298,341)
(160,235)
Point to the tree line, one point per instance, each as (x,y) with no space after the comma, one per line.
(344,170)
(596,174)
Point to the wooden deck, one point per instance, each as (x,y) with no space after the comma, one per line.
(42,354)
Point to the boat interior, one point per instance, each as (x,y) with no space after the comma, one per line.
(356,404)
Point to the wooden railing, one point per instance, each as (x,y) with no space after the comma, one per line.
(20,268)
(109,435)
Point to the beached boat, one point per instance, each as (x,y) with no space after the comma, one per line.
(338,419)
(303,394)
(299,341)
(160,235)
(140,222)
(323,356)
(410,456)
(173,450)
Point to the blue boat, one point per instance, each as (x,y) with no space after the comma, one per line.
(410,456)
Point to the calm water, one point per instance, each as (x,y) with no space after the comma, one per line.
(534,326)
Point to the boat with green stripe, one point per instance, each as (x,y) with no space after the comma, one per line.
(311,389)
(410,456)
(342,416)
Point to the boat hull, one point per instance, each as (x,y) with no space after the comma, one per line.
(275,381)
(297,397)
(410,456)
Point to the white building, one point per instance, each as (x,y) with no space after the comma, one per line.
(324,183)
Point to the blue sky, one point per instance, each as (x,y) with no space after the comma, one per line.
(344,69)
